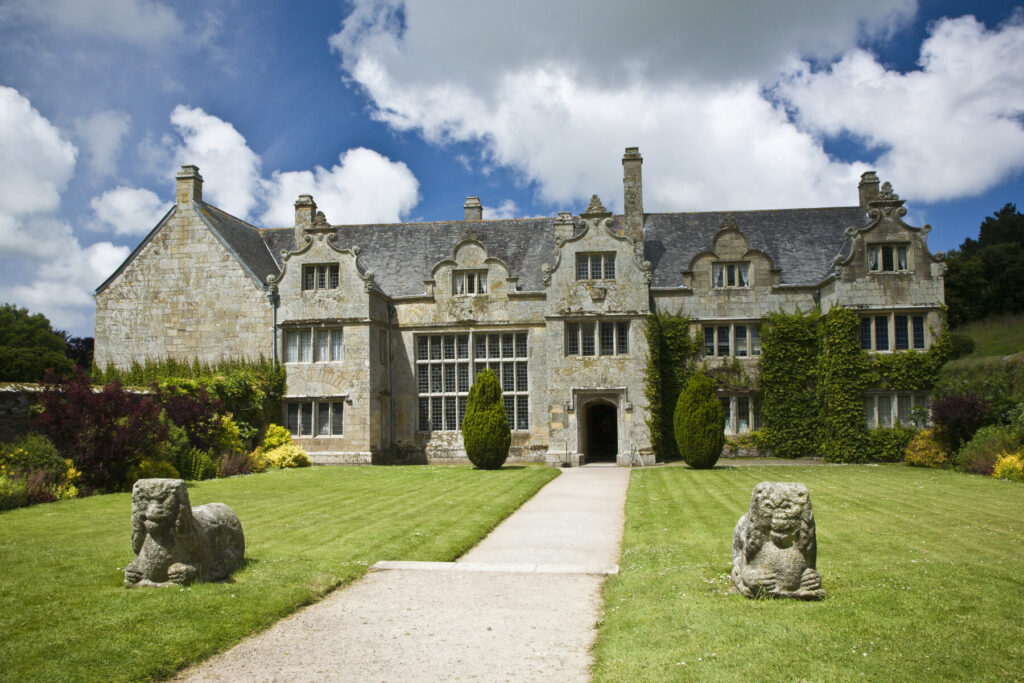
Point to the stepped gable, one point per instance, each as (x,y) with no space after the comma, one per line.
(243,239)
(801,242)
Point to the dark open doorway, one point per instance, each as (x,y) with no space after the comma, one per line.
(602,432)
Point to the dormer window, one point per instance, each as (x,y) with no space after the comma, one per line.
(320,277)
(887,258)
(600,266)
(730,275)
(469,282)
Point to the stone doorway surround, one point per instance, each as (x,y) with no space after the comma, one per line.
(599,432)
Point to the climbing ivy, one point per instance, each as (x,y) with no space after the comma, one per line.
(790,345)
(670,363)
(844,372)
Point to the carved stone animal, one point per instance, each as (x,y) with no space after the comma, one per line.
(774,549)
(178,544)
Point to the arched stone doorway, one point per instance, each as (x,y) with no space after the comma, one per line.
(601,429)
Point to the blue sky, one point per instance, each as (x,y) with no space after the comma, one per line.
(391,110)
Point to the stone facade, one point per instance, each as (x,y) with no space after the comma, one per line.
(382,327)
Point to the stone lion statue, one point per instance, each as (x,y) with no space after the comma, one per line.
(176,544)
(774,549)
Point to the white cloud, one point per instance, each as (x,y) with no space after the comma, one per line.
(127,211)
(231,171)
(951,129)
(62,286)
(38,163)
(144,22)
(507,209)
(687,81)
(102,134)
(364,187)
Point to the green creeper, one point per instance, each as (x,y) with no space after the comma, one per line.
(699,423)
(485,431)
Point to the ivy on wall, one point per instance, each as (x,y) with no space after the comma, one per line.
(670,364)
(813,378)
(790,344)
(844,371)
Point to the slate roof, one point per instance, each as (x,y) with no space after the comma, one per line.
(801,242)
(244,239)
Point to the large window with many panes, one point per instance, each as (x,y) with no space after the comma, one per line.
(883,410)
(725,275)
(323,276)
(312,345)
(597,338)
(322,417)
(887,258)
(447,365)
(595,266)
(732,339)
(742,413)
(892,331)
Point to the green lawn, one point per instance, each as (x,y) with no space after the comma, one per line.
(923,569)
(65,616)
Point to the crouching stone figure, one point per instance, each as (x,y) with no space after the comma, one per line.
(176,544)
(774,548)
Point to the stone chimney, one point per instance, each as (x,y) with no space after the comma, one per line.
(189,186)
(868,188)
(305,210)
(633,192)
(474,210)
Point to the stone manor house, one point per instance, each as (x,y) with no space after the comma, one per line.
(382,328)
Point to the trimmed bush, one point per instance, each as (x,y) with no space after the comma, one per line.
(1010,466)
(699,423)
(925,451)
(485,431)
(889,445)
(979,455)
(153,468)
(276,436)
(288,455)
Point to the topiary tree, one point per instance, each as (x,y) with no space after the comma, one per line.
(485,431)
(699,423)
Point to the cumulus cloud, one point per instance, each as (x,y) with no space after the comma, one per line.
(127,211)
(722,98)
(364,187)
(507,209)
(38,164)
(144,22)
(102,135)
(951,129)
(231,171)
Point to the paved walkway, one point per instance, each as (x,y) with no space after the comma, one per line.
(521,606)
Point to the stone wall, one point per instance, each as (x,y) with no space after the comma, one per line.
(16,401)
(184,296)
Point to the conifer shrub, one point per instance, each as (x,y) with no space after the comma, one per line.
(926,451)
(288,455)
(699,422)
(485,431)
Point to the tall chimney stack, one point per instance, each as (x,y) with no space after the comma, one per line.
(868,188)
(633,192)
(474,209)
(188,186)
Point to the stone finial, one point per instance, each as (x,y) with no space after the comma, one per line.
(474,209)
(596,209)
(868,188)
(188,185)
(886,194)
(774,547)
(176,543)
(305,210)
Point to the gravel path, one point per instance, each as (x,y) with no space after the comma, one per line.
(521,606)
